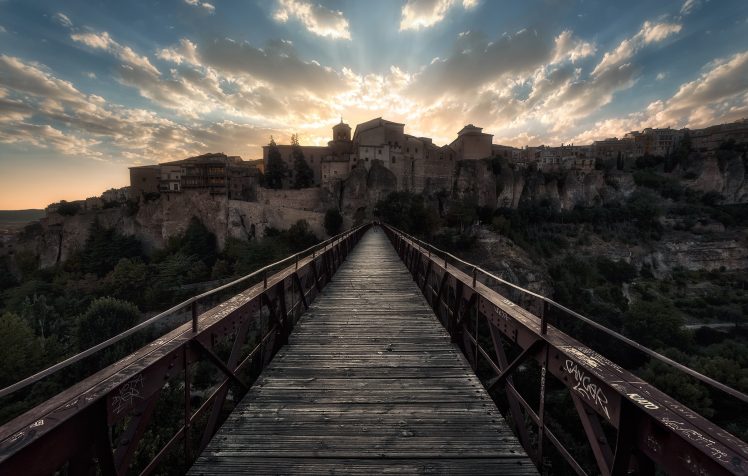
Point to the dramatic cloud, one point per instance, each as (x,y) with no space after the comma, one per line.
(649,33)
(720,94)
(419,14)
(209,7)
(315,18)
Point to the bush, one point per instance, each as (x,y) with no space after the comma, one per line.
(333,221)
(105,318)
(68,209)
(408,212)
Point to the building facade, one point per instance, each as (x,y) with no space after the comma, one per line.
(215,173)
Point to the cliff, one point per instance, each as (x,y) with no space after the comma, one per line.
(57,237)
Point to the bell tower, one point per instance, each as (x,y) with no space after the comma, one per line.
(341,132)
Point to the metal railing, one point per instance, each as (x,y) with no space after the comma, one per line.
(475,270)
(652,430)
(99,422)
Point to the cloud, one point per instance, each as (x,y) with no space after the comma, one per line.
(103,41)
(62,19)
(417,14)
(209,7)
(2,29)
(689,6)
(90,75)
(186,52)
(572,48)
(648,34)
(661,76)
(316,19)
(720,94)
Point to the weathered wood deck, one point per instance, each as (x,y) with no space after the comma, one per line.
(369,383)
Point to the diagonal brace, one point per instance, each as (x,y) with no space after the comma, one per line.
(220,364)
(528,352)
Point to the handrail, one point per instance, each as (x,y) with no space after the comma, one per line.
(646,350)
(30,380)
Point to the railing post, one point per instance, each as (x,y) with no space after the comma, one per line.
(544,317)
(265,279)
(194,316)
(475,276)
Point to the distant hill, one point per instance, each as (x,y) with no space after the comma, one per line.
(20,216)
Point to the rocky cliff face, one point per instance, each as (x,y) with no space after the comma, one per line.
(360,192)
(156,221)
(724,173)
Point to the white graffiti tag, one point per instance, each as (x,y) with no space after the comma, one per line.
(127,393)
(699,438)
(585,387)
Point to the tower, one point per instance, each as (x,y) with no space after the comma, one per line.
(341,132)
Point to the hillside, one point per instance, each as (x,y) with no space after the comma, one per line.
(20,216)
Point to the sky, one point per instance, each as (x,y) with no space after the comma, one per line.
(90,88)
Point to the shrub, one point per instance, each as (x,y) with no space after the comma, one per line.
(333,221)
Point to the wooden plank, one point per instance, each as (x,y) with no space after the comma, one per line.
(369,383)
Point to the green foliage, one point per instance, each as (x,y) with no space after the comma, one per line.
(27,263)
(668,187)
(128,280)
(649,161)
(104,248)
(678,385)
(275,170)
(68,209)
(20,349)
(7,279)
(656,324)
(333,221)
(105,318)
(302,173)
(643,207)
(408,212)
(462,213)
(198,242)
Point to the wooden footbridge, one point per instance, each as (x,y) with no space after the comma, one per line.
(359,356)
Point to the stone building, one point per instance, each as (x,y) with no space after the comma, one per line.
(216,173)
(472,143)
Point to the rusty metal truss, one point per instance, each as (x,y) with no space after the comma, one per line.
(652,430)
(74,430)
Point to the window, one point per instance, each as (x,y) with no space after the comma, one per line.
(379,152)
(367,159)
(393,159)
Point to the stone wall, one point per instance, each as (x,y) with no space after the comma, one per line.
(309,199)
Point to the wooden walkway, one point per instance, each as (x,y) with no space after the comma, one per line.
(368,384)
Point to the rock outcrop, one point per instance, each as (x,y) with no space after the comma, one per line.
(58,237)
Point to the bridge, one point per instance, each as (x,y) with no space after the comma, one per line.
(372,352)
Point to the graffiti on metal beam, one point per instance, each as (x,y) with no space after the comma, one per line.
(127,393)
(697,437)
(586,387)
(643,401)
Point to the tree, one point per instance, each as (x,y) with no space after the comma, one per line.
(303,174)
(104,248)
(656,324)
(128,280)
(333,221)
(106,317)
(276,170)
(199,241)
(20,349)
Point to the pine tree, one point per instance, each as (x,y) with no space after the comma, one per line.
(303,174)
(276,169)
